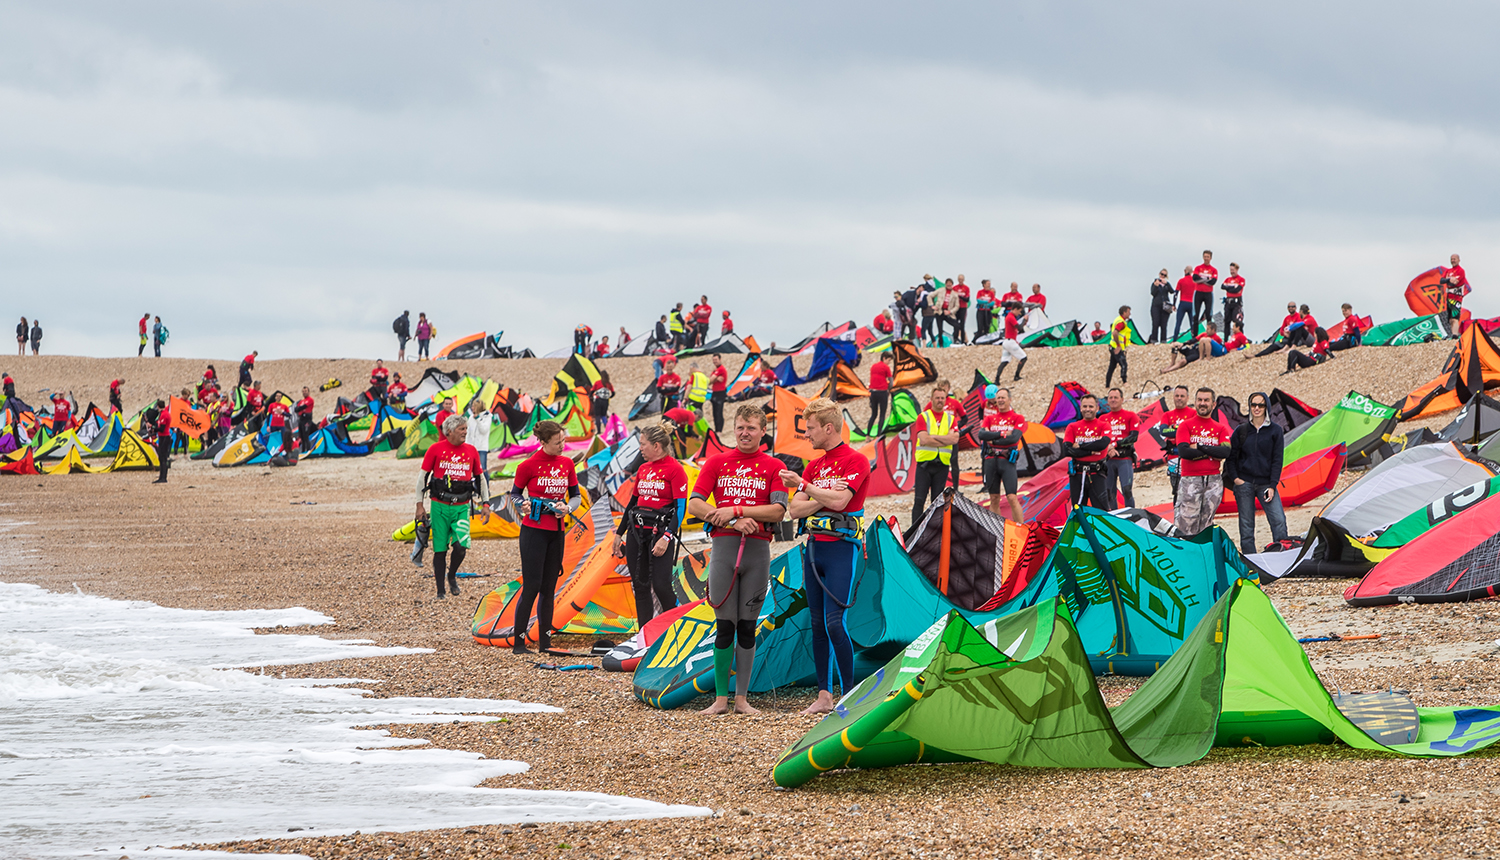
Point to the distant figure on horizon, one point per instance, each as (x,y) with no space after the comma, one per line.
(1455,283)
(424,336)
(158,336)
(36,337)
(624,337)
(247,365)
(1234,296)
(582,335)
(1205,277)
(144,324)
(1186,289)
(1161,307)
(727,326)
(115,403)
(23,331)
(1036,299)
(402,327)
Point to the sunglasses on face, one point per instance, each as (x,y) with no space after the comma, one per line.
(1257,405)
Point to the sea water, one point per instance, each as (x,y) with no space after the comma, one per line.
(125,725)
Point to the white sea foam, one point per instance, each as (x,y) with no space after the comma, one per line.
(126,724)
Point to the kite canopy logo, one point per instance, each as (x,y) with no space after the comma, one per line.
(187,419)
(1425,294)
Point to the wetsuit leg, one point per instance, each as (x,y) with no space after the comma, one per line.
(163,455)
(459,551)
(738,598)
(718,400)
(533,547)
(439,569)
(835,563)
(638,560)
(929,483)
(548,594)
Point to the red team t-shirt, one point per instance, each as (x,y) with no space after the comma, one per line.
(1082,432)
(255,398)
(1120,424)
(736,478)
(719,379)
(845,464)
(542,476)
(1012,298)
(668,381)
(449,462)
(1169,423)
(703,313)
(1012,330)
(379,375)
(1037,299)
(1005,422)
(1234,286)
(278,415)
(1201,431)
(660,483)
(880,377)
(1237,341)
(1205,276)
(985,294)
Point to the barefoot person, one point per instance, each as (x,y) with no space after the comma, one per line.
(652,524)
(550,482)
(739,570)
(999,438)
(830,500)
(452,476)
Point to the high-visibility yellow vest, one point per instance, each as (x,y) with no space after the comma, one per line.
(937,425)
(698,391)
(674,321)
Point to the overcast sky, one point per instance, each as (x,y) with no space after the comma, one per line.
(290,176)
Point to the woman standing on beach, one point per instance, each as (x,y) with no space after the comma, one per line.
(549,482)
(599,398)
(424,336)
(22,332)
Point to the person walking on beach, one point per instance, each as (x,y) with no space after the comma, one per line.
(1010,346)
(1202,443)
(161,421)
(549,483)
(424,335)
(718,391)
(36,337)
(143,325)
(1161,307)
(1253,472)
(1186,290)
(599,399)
(652,524)
(880,392)
(247,364)
(452,475)
(739,572)
(480,420)
(115,403)
(829,499)
(1119,341)
(402,327)
(23,333)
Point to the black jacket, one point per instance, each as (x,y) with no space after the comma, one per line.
(1161,294)
(402,326)
(1255,455)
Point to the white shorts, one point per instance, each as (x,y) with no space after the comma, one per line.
(1011,349)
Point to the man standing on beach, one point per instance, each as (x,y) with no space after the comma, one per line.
(1202,443)
(1166,431)
(379,378)
(1234,297)
(452,475)
(739,574)
(1206,277)
(402,328)
(247,365)
(961,312)
(830,501)
(1087,442)
(718,385)
(1119,341)
(1186,290)
(1119,467)
(305,417)
(160,418)
(145,324)
(984,309)
(937,431)
(1455,283)
(1000,436)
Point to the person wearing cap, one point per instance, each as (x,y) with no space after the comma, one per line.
(727,326)
(999,436)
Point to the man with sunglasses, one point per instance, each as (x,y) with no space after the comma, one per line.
(1252,471)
